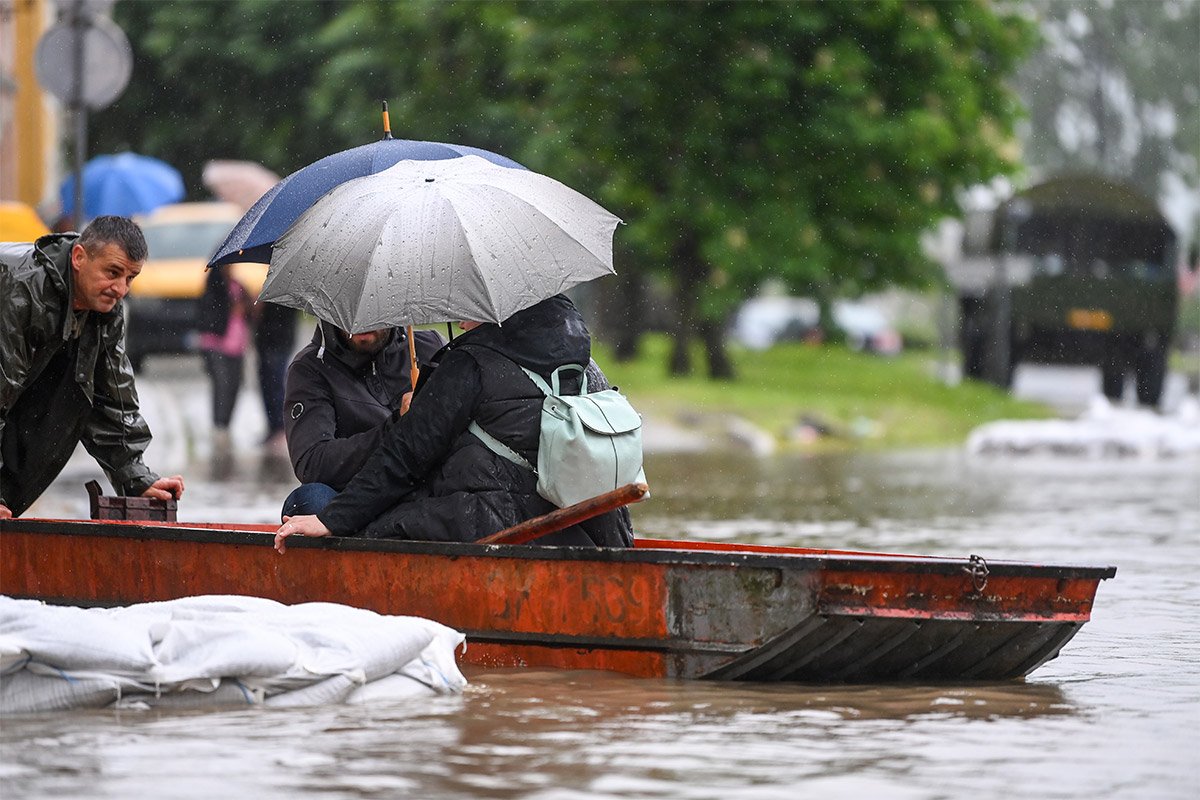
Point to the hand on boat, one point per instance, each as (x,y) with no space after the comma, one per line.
(303,525)
(169,488)
(5,512)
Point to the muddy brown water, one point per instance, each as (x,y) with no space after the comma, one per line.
(1114,716)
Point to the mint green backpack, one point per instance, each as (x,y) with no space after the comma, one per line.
(589,443)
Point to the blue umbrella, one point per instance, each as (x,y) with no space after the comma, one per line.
(124,184)
(253,238)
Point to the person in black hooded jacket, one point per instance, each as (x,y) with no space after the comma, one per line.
(431,479)
(342,393)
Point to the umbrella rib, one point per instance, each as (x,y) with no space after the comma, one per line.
(615,219)
(482,279)
(536,213)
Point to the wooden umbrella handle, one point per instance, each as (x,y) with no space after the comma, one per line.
(563,518)
(412,352)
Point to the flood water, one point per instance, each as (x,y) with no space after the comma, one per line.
(1114,716)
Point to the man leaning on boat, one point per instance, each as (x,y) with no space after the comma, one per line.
(64,375)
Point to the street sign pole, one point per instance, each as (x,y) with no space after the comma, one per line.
(78,23)
(85,61)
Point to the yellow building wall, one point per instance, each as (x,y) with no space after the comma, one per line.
(28,127)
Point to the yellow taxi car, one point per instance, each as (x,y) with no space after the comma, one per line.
(163,302)
(20,223)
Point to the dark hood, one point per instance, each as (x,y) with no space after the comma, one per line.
(396,349)
(542,337)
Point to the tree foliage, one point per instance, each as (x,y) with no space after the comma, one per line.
(219,80)
(811,142)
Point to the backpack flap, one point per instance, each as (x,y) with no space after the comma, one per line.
(607,413)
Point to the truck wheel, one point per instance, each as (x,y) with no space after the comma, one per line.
(973,356)
(1151,371)
(1112,372)
(1014,355)
(970,338)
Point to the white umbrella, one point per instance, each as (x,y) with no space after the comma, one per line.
(438,241)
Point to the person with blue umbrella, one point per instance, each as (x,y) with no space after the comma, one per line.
(123,185)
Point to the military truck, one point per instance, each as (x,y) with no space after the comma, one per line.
(1075,270)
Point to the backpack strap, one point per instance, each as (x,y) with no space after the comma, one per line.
(553,388)
(547,389)
(500,448)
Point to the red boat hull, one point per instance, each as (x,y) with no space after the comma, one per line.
(661,609)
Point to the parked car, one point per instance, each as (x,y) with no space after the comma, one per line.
(866,328)
(162,304)
(764,321)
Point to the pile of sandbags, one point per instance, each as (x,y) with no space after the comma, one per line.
(1103,431)
(217,651)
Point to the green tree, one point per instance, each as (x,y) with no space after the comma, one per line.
(812,142)
(220,80)
(442,67)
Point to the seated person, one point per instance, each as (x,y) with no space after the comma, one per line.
(343,391)
(432,479)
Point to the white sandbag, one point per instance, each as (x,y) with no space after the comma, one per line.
(436,667)
(388,689)
(378,644)
(215,648)
(205,605)
(74,638)
(23,692)
(12,655)
(330,690)
(226,694)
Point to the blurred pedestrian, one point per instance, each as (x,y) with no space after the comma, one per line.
(224,325)
(274,340)
(64,375)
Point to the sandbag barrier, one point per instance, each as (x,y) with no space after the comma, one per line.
(217,651)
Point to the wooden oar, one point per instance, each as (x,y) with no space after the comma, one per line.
(563,518)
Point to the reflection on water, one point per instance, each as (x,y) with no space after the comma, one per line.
(1112,716)
(514,734)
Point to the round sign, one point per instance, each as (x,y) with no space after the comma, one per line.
(107,62)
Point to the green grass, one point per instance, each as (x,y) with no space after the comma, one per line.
(868,400)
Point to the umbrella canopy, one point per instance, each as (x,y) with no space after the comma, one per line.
(253,237)
(436,241)
(239,182)
(124,185)
(20,223)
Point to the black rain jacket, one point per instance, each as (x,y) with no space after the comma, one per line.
(431,479)
(338,402)
(57,390)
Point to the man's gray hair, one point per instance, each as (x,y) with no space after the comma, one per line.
(121,231)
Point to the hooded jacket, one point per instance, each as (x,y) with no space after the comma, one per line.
(338,401)
(58,389)
(431,479)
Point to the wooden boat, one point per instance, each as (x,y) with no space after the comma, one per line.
(661,609)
